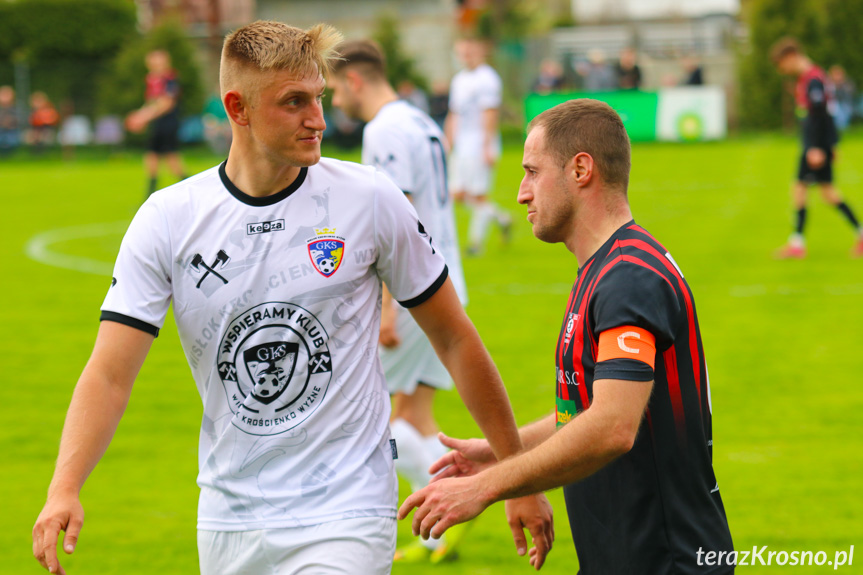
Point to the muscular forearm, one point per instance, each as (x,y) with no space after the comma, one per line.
(96,408)
(538,431)
(469,364)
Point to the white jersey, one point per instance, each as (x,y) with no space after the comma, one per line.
(406,144)
(471,93)
(277,303)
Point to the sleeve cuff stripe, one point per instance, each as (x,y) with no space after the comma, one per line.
(432,289)
(130,321)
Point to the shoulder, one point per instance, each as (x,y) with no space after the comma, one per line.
(199,187)
(637,261)
(358,181)
(488,74)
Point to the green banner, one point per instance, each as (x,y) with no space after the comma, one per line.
(637,109)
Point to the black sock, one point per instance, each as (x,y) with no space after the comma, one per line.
(801,221)
(152,186)
(846,211)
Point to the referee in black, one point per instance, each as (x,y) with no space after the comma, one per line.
(630,438)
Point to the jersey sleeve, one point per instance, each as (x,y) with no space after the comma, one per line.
(140,291)
(408,260)
(389,152)
(643,302)
(489,96)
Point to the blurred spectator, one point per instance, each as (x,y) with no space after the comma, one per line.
(628,72)
(550,77)
(217,129)
(694,73)
(439,102)
(9,135)
(409,92)
(598,75)
(43,121)
(109,130)
(844,96)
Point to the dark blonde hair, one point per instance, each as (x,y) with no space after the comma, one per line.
(364,56)
(784,47)
(592,127)
(267,45)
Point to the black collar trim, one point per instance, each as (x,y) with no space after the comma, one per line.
(266,200)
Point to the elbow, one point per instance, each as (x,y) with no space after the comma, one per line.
(621,439)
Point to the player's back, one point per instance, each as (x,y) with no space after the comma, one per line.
(408,146)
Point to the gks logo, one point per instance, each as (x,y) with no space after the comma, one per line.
(326,250)
(276,366)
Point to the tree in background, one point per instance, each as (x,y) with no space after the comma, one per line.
(123,89)
(400,66)
(65,45)
(843,32)
(765,101)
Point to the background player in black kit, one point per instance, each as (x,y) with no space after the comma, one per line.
(631,435)
(813,95)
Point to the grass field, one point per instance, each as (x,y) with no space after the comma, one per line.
(782,339)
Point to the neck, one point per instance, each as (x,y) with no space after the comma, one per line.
(378,97)
(593,225)
(255,174)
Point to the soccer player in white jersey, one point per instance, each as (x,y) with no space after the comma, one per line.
(274,261)
(407,145)
(472,127)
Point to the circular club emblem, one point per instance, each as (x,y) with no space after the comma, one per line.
(275,365)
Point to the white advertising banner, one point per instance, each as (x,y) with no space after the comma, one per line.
(691,113)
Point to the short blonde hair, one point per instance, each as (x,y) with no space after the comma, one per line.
(266,45)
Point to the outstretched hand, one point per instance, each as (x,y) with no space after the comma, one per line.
(468,457)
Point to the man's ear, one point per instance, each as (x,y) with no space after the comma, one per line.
(236,107)
(580,169)
(354,80)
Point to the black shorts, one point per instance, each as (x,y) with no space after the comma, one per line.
(823,175)
(164,136)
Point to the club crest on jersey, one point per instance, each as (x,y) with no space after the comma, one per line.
(275,365)
(326,250)
(571,322)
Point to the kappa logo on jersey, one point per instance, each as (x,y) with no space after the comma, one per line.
(571,322)
(199,266)
(275,364)
(326,251)
(265,227)
(385,162)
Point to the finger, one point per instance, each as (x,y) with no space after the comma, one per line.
(542,546)
(451,442)
(451,471)
(429,521)
(49,552)
(518,537)
(440,527)
(73,529)
(419,515)
(413,500)
(443,461)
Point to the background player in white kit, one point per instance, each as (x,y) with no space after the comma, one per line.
(472,128)
(407,145)
(274,262)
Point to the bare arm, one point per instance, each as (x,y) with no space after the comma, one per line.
(450,124)
(389,336)
(97,405)
(459,347)
(490,120)
(589,442)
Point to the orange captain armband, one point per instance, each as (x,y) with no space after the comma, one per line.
(627,342)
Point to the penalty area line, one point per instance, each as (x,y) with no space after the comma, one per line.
(39,247)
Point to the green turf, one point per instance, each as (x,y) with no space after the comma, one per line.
(782,340)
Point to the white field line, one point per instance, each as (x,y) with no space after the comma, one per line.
(39,247)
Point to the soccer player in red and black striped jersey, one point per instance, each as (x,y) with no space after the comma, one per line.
(814,97)
(631,436)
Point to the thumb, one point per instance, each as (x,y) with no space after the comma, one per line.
(451,442)
(73,529)
(518,537)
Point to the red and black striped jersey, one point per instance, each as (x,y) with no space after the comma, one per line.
(650,510)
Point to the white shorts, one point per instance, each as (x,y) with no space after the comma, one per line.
(469,174)
(344,547)
(414,361)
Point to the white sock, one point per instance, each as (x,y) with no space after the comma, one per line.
(411,463)
(481,216)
